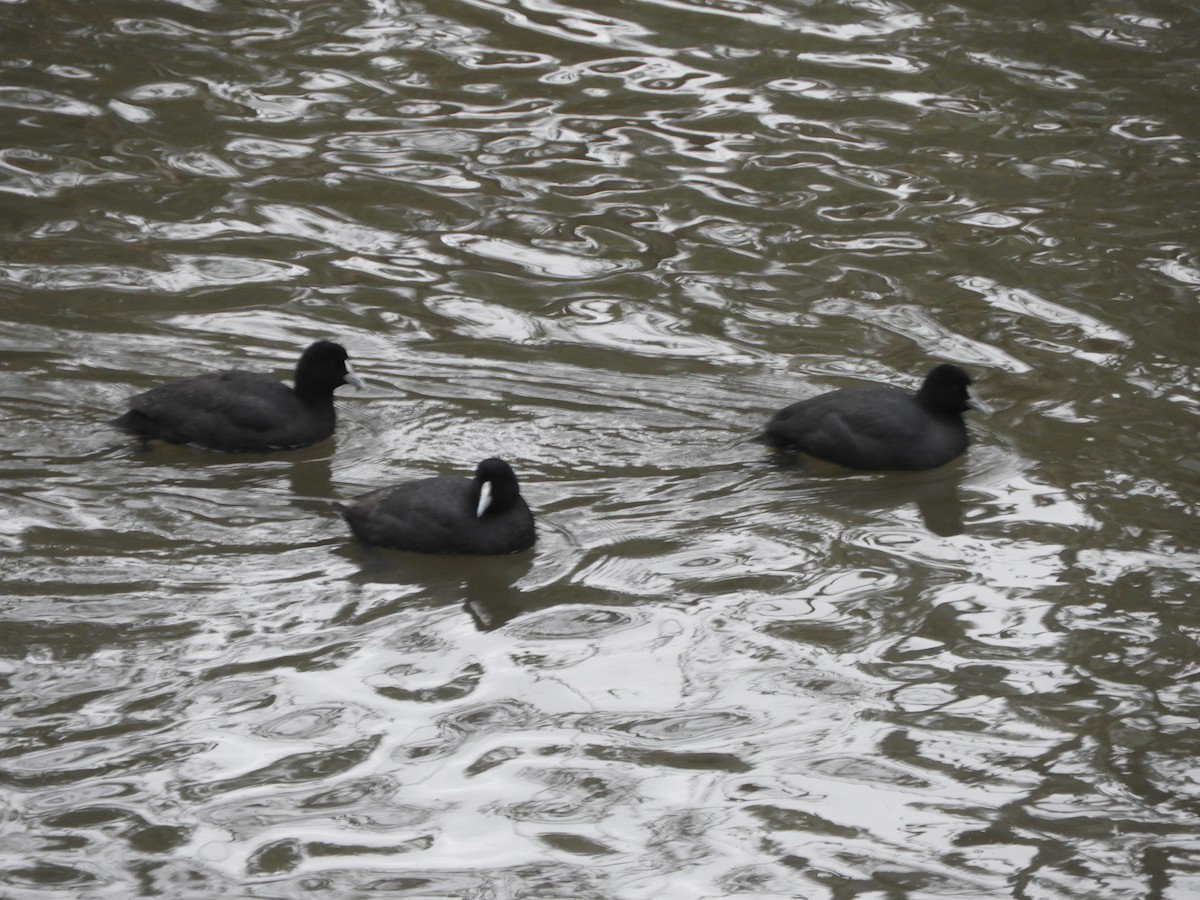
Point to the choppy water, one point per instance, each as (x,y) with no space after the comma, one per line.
(605,241)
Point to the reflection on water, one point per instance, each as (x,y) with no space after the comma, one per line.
(605,243)
(934,493)
(488,589)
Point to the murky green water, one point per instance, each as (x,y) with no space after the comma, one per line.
(605,241)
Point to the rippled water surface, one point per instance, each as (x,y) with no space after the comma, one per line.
(604,241)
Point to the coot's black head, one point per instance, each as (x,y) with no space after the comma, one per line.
(947,391)
(495,487)
(322,368)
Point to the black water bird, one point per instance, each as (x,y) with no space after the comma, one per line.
(880,427)
(483,515)
(243,411)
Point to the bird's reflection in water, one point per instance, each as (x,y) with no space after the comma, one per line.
(935,492)
(937,499)
(311,479)
(489,588)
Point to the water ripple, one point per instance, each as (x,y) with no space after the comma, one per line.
(24,173)
(185,273)
(570,624)
(935,339)
(537,260)
(605,243)
(1040,73)
(45,101)
(1025,302)
(889,62)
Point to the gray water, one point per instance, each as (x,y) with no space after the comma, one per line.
(605,241)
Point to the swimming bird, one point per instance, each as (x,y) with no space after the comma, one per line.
(880,427)
(236,410)
(483,515)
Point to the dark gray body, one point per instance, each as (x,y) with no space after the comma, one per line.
(245,411)
(439,515)
(878,427)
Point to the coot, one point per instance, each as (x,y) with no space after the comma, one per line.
(879,427)
(245,411)
(484,515)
